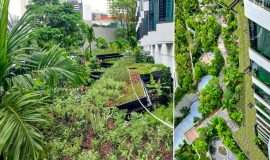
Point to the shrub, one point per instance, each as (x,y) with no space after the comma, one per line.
(216,64)
(200,69)
(210,97)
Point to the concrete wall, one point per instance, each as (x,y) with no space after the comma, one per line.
(257,14)
(107,33)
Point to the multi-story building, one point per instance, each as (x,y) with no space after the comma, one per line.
(155,30)
(258,13)
(109,6)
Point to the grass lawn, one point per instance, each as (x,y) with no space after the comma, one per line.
(245,136)
(119,72)
(105,51)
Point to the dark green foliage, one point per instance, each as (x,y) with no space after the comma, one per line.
(142,58)
(219,128)
(46,2)
(166,86)
(186,152)
(56,25)
(185,111)
(217,63)
(210,97)
(200,70)
(183,67)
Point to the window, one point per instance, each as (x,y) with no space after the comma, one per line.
(166,8)
(260,39)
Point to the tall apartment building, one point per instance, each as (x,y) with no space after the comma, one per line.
(258,13)
(109,6)
(155,18)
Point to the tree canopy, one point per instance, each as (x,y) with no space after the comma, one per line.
(56,24)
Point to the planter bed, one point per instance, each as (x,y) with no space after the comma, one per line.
(106,65)
(108,56)
(96,74)
(156,75)
(145,77)
(135,105)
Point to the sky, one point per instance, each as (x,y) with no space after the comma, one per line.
(100,5)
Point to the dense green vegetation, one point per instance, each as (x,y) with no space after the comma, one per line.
(210,97)
(198,28)
(48,111)
(218,128)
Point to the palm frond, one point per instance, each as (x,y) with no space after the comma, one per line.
(18,34)
(51,64)
(19,138)
(3,38)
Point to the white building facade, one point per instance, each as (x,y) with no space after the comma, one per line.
(155,30)
(258,13)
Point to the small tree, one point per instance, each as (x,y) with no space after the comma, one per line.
(89,35)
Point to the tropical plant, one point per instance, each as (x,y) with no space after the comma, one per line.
(20,106)
(89,35)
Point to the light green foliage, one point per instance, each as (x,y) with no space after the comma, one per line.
(86,155)
(163,112)
(217,63)
(101,43)
(210,97)
(200,70)
(207,33)
(186,152)
(236,116)
(201,146)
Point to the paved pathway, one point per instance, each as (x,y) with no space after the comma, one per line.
(223,114)
(186,101)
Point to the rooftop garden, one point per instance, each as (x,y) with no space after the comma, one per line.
(207,38)
(51,108)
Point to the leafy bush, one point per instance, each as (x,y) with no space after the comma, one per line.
(142,58)
(200,70)
(210,97)
(217,63)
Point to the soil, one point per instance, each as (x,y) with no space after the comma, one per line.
(105,149)
(86,144)
(111,124)
(66,158)
(222,150)
(165,153)
(122,158)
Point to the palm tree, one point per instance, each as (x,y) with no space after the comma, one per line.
(21,107)
(89,35)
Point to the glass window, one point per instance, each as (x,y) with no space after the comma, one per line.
(260,73)
(265,96)
(260,39)
(166,9)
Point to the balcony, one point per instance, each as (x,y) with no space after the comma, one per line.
(263,110)
(259,39)
(257,12)
(262,3)
(260,59)
(263,95)
(261,74)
